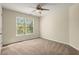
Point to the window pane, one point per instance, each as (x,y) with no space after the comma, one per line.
(20,25)
(29,26)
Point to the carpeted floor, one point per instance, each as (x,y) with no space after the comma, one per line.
(38,47)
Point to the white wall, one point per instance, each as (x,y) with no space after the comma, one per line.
(62,25)
(74,26)
(0,19)
(0,28)
(55,25)
(9,27)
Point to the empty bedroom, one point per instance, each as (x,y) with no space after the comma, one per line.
(39,28)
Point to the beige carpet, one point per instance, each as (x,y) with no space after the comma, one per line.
(38,47)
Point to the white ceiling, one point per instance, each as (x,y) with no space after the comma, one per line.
(29,7)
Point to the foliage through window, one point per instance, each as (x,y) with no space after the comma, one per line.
(24,26)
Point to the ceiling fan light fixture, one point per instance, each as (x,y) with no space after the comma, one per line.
(39,11)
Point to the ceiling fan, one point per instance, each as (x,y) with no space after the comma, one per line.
(39,8)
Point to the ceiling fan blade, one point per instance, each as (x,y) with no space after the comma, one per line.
(46,9)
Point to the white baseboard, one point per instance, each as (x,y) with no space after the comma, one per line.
(74,47)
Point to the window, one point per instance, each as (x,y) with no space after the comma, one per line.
(24,26)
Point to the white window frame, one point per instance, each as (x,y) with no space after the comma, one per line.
(27,33)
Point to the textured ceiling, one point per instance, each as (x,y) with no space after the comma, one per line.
(29,7)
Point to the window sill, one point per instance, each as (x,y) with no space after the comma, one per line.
(23,34)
